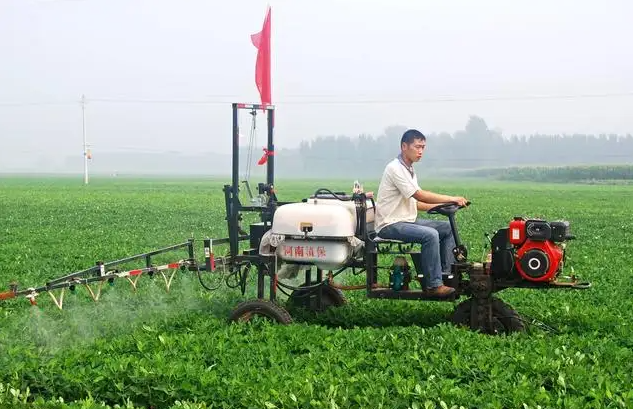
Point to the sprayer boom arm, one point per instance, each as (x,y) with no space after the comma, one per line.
(103,272)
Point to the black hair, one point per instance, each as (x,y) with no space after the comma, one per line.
(410,135)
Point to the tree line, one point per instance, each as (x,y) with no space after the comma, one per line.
(474,147)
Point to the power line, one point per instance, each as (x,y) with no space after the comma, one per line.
(323,99)
(37,103)
(333,99)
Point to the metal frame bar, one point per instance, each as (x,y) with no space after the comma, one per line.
(234,208)
(100,272)
(147,256)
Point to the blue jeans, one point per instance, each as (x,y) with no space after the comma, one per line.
(437,242)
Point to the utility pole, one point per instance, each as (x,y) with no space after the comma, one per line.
(83,126)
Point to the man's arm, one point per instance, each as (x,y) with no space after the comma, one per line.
(409,189)
(422,206)
(427,197)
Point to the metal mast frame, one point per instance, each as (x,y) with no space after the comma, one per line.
(234,207)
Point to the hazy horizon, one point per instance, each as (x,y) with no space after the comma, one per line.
(159,75)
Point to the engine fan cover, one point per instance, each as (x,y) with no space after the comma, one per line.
(538,260)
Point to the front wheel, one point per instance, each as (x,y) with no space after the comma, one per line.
(246,310)
(502,320)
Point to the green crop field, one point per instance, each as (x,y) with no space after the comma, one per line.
(153,348)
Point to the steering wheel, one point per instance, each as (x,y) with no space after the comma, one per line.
(446,208)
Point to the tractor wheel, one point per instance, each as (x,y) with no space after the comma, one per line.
(504,318)
(263,308)
(307,299)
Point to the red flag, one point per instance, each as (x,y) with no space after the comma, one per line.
(261,41)
(265,156)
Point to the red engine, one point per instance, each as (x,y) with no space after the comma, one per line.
(539,260)
(533,248)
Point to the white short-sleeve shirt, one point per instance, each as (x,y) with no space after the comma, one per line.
(395,202)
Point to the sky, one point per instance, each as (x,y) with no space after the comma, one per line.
(160,75)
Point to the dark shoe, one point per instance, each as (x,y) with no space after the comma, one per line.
(441,291)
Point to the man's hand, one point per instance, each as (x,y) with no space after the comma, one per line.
(461,201)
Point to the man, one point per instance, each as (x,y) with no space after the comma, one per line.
(399,200)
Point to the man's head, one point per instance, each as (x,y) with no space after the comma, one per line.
(412,145)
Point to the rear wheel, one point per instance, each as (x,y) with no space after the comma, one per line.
(306,298)
(247,310)
(504,319)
